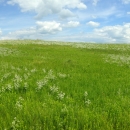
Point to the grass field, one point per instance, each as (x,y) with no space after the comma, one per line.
(64,86)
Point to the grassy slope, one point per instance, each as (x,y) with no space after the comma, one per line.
(107,86)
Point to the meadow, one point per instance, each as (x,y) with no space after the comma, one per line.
(50,85)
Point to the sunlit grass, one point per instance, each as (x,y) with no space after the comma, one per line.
(56,85)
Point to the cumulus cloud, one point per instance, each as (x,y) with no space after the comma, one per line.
(118,33)
(126,1)
(24,33)
(66,13)
(95,2)
(41,28)
(45,7)
(107,34)
(72,24)
(93,24)
(48,27)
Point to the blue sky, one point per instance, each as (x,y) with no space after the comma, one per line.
(103,21)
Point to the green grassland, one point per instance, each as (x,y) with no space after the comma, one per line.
(64,86)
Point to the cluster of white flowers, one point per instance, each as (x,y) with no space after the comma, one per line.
(3,89)
(14,81)
(86,94)
(87,101)
(41,84)
(4,51)
(60,75)
(60,95)
(20,82)
(54,89)
(17,78)
(19,103)
(15,124)
(50,75)
(9,87)
(26,85)
(16,85)
(33,70)
(25,76)
(5,76)
(118,59)
(122,47)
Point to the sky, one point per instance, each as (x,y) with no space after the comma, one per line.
(95,21)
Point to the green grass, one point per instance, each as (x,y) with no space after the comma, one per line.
(63,87)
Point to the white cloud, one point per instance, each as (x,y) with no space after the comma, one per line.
(95,2)
(97,14)
(45,7)
(93,24)
(24,33)
(48,27)
(72,24)
(0,32)
(117,33)
(81,6)
(65,13)
(126,1)
(41,29)
(128,13)
(107,34)
(107,12)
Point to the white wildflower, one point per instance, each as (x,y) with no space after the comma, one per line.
(50,75)
(86,94)
(62,75)
(60,95)
(16,86)
(25,85)
(18,69)
(19,103)
(3,89)
(54,89)
(25,76)
(28,74)
(17,78)
(6,75)
(15,124)
(33,70)
(41,83)
(87,102)
(9,87)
